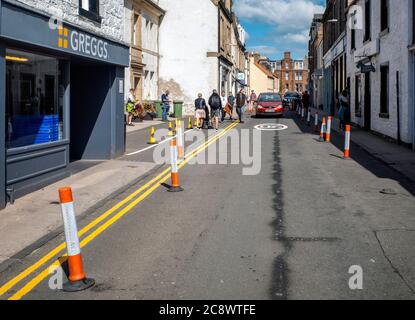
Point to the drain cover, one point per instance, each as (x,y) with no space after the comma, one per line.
(389,192)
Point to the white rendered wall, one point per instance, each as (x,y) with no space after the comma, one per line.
(188,32)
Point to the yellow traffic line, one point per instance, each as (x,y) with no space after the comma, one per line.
(161,179)
(10,284)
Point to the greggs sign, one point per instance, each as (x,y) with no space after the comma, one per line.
(82,43)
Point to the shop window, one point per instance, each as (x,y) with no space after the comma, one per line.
(34,99)
(353,39)
(136,30)
(90,9)
(384,91)
(358,96)
(413,21)
(384,15)
(368,17)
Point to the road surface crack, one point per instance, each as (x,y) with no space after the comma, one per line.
(395,269)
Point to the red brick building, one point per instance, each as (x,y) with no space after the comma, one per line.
(293,74)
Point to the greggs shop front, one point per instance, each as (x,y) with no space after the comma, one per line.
(61,99)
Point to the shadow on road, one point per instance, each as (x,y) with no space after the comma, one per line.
(358,154)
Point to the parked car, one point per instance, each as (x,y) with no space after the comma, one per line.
(291,99)
(269,104)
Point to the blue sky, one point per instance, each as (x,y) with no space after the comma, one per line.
(276,26)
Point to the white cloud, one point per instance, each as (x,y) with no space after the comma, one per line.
(293,13)
(290,19)
(265,50)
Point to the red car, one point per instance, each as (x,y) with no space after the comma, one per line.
(269,104)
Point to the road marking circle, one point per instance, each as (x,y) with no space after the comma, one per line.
(271,127)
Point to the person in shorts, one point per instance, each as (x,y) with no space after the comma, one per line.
(200,105)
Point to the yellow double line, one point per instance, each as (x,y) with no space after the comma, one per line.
(143,193)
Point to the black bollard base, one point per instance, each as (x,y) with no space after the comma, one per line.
(78,285)
(176,189)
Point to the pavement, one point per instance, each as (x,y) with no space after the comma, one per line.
(397,156)
(293,231)
(36,217)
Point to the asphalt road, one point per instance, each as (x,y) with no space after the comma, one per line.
(290,232)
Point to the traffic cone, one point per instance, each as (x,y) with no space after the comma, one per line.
(170,134)
(323,129)
(189,123)
(347,143)
(152,138)
(328,131)
(195,124)
(77,278)
(175,181)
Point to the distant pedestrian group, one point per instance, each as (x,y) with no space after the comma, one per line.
(209,115)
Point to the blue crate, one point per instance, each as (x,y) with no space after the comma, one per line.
(36,129)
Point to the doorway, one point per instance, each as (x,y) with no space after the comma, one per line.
(367,104)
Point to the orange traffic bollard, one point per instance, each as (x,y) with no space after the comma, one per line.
(323,129)
(328,131)
(175,181)
(347,143)
(77,278)
(180,139)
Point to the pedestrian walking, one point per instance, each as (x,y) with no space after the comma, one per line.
(224,101)
(252,100)
(344,110)
(165,100)
(240,104)
(305,100)
(130,107)
(200,105)
(230,105)
(215,104)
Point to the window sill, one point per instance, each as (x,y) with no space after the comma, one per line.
(90,15)
(384,115)
(384,33)
(366,41)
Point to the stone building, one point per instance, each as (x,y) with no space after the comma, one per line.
(261,79)
(142,22)
(315,59)
(381,42)
(238,54)
(292,74)
(334,53)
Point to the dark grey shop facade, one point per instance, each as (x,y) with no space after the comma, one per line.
(61,99)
